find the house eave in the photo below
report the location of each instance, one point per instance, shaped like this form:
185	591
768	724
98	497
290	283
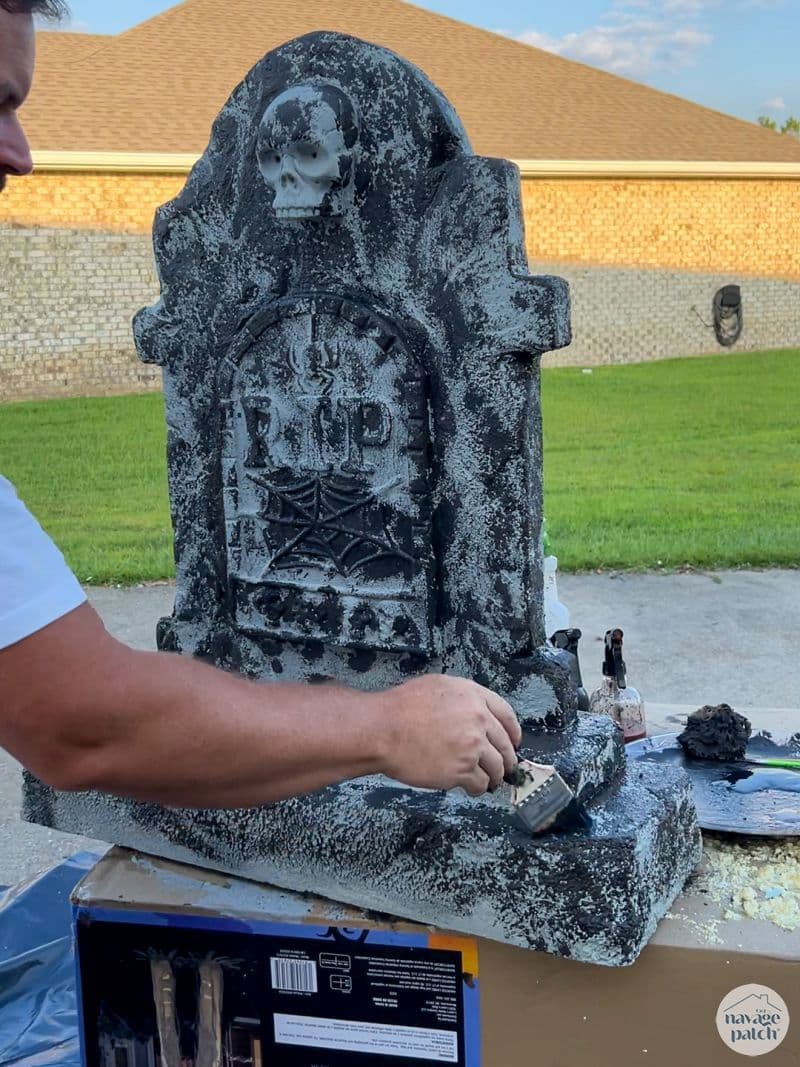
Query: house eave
63	162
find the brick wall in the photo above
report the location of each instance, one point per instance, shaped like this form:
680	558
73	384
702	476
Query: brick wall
65	316
76	263
731	225
65	326
748	227
630	315
122	203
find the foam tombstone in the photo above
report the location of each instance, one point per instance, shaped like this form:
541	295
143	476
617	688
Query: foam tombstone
350	342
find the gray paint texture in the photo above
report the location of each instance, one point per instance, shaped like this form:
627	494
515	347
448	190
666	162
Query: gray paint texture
350	343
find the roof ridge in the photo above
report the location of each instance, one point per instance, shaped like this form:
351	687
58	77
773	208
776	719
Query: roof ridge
507	41
160	16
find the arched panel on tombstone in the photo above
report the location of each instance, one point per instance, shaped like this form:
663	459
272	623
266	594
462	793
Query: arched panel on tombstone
325	466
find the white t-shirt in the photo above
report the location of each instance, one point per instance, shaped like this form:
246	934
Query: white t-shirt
36	585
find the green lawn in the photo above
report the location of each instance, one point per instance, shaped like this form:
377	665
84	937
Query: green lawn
686	461
94	474
692	461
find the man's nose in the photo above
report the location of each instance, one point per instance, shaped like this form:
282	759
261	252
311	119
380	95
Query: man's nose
15	152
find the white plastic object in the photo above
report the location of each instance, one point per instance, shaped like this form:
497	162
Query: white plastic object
556	616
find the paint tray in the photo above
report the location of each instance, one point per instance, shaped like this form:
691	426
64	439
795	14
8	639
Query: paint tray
732	797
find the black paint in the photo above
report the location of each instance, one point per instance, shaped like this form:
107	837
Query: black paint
723	802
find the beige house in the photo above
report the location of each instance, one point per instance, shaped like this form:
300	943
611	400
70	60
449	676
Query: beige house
645	202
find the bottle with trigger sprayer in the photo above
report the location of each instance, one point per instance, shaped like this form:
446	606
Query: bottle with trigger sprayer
615	697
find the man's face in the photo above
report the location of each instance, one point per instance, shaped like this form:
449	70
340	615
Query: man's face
16	72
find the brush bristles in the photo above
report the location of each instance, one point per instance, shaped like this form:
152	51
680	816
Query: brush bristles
573	817
539	809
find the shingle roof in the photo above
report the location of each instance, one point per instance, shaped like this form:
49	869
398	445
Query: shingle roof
58	50
158	86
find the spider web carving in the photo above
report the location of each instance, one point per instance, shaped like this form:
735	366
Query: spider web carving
334	519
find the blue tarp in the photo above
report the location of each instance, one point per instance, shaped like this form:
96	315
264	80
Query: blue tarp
38	1009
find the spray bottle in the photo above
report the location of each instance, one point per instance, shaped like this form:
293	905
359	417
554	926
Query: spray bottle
614	697
566	641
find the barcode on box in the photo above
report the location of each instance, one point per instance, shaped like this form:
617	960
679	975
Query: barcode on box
293	976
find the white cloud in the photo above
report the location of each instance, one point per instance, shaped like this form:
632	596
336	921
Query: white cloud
669	7
632	42
777	103
638	37
697	7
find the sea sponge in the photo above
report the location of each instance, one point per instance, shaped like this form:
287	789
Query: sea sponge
715	733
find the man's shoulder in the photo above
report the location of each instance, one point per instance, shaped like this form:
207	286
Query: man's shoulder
36	585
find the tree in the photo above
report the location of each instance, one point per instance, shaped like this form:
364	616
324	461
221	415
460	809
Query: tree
791	126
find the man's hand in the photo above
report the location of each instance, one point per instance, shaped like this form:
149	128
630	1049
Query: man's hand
443	732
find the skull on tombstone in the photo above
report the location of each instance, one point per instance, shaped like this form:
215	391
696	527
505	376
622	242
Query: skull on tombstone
306	142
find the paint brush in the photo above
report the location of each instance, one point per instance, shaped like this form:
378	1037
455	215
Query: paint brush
543	801
786	764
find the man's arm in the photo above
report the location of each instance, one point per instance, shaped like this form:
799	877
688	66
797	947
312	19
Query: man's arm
83	711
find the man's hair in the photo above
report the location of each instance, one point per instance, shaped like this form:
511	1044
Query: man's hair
48	9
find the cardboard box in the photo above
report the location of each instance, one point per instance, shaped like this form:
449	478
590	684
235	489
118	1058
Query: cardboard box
180	966
302	982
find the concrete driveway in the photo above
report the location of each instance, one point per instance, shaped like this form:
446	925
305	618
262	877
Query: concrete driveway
690	639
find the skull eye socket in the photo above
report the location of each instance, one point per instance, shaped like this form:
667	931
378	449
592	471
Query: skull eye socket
269	160
314	160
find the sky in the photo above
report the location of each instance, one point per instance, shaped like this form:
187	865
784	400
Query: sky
736	56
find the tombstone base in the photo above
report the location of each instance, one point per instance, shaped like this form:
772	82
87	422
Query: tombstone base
589	754
440	858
